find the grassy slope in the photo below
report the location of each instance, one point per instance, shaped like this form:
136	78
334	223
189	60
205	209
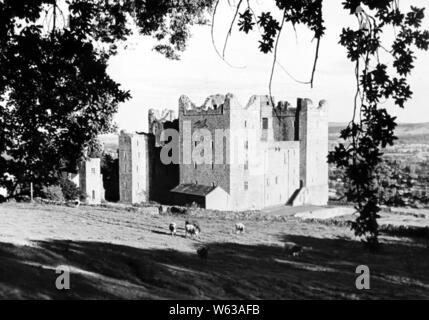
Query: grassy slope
120	254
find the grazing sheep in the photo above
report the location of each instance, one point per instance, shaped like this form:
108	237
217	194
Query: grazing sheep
173	229
192	228
203	252
293	249
76	203
239	228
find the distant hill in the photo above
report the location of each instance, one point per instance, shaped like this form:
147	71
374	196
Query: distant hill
110	142
408	133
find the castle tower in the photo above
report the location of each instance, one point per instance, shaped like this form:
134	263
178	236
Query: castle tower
259	164
313	136
133	168
91	180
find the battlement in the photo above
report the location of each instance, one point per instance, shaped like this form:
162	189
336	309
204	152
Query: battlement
160	121
166	115
308	105
214	105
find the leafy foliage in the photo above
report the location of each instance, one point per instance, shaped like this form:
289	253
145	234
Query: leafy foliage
53	193
55	94
372	128
70	190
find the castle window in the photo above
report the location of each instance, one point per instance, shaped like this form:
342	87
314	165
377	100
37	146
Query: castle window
245	124
93	194
246	185
195	165
265	123
214	184
93	170
246	165
277	180
246	145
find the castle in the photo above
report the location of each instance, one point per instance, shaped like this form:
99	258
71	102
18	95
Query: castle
229	157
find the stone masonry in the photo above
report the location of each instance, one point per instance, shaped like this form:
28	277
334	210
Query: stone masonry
261	155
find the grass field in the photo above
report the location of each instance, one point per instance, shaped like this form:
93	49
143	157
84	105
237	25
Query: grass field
129	255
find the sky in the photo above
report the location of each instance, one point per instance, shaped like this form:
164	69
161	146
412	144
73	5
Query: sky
156	82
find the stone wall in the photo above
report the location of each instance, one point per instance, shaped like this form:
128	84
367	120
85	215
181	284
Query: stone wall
142	175
313	135
133	167
210	117
91	180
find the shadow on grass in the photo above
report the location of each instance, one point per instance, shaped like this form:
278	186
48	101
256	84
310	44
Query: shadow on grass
325	270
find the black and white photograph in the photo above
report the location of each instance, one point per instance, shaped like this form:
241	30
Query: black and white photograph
214	151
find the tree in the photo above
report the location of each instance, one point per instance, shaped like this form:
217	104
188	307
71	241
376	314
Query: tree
110	172
372	127
55	94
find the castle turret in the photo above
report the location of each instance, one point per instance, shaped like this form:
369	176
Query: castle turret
313	136
134	170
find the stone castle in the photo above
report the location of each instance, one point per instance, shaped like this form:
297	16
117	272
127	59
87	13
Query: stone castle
260	155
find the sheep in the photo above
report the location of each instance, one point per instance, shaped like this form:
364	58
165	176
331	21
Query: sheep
173	228
76	203
203	252
192	228
239	228
293	249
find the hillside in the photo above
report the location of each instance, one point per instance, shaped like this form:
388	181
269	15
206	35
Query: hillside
408	133
125	254
110	142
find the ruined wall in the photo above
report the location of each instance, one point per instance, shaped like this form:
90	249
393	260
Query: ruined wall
162	176
142	175
213	115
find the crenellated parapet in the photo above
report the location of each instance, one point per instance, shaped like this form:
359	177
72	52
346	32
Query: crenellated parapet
159	121
214	105
308	105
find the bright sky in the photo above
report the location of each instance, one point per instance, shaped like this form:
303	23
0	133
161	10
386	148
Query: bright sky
156	82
